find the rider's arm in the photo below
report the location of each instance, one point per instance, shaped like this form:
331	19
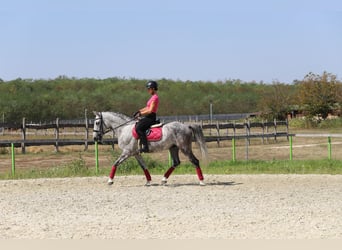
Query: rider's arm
147	110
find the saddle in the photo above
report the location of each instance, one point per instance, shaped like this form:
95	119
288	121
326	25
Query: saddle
154	133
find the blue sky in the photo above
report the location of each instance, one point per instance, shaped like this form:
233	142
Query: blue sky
279	40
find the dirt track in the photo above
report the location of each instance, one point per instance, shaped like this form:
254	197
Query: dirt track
229	207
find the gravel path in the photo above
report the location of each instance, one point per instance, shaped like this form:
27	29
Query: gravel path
229	207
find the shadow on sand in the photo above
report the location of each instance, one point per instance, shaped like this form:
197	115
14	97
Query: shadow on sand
210	184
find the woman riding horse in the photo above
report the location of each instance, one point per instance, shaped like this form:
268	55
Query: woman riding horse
150	113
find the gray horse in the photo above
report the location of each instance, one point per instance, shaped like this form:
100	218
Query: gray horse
175	136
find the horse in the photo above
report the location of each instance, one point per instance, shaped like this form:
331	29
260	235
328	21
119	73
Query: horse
175	136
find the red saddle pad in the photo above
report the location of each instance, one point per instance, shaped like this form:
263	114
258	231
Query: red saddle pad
152	134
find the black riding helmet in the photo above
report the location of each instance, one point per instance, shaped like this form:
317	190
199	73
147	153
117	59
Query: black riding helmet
152	85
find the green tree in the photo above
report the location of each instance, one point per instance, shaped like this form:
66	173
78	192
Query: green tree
318	94
277	100
67	98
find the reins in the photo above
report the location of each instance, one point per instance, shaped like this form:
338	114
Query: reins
124	123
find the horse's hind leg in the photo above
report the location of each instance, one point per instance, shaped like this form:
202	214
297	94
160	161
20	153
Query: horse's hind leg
174	150
144	168
195	162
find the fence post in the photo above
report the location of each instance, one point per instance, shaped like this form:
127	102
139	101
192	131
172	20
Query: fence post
248	131
329	147
86	130
287	128
23	136
13	159
96	158
233	150
57	134
170	160
218	133
275	129
263	131
234	131
3	124
113	137
267	131
247	137
291	152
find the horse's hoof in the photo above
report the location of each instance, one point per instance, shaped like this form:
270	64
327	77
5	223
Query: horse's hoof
148	184
110	182
201	183
164	181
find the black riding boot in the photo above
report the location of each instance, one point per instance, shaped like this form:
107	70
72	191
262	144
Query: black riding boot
141	128
144	144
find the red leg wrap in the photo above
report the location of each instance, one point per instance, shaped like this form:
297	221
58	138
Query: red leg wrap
199	173
169	172
147	174
112	172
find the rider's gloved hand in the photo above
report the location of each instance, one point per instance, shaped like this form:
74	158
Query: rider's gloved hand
137	114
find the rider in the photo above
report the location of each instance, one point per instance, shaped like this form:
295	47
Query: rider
149	112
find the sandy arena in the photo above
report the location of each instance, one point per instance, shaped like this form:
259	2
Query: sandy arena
228	207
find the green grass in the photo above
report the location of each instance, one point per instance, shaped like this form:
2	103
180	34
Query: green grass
130	167
276	167
73	169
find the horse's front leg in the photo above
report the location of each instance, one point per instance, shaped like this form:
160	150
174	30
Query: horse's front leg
142	164
116	164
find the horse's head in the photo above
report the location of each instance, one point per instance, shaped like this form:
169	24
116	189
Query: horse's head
99	129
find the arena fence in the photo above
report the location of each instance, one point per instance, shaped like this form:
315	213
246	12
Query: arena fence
56	133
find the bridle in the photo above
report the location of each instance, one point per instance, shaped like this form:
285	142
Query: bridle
102	125
102	131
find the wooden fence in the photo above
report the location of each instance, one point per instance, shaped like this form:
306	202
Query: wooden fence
247	130
213	132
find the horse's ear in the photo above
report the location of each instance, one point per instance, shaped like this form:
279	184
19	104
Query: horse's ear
95	113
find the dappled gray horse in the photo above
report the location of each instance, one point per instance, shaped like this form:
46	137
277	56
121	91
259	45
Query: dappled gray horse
175	136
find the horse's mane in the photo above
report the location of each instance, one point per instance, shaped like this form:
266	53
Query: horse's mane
120	115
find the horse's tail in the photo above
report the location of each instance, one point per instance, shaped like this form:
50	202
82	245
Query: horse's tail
199	138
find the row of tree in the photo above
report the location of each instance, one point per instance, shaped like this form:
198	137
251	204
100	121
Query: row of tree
67	98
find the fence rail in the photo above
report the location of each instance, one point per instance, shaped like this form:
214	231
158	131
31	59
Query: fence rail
49	142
